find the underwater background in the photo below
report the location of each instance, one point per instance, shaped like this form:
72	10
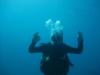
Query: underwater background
20	19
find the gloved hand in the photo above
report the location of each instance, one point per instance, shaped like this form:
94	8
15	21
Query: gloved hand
80	37
36	37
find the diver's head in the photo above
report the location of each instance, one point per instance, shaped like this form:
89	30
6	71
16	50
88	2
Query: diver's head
56	31
57	38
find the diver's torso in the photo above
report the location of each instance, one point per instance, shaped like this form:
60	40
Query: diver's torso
55	52
55	60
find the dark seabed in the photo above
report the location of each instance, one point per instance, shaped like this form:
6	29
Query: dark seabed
20	19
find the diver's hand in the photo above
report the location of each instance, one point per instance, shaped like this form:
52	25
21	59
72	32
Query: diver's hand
36	37
80	37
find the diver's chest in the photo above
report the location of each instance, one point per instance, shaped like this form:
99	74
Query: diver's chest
55	51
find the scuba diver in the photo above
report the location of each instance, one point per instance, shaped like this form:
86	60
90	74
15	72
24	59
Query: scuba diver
55	60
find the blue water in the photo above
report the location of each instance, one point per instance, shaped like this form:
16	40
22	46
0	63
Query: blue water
20	19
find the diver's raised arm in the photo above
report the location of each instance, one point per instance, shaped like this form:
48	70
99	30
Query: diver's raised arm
33	48
79	49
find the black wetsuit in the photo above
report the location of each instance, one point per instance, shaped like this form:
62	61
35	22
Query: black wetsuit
55	60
